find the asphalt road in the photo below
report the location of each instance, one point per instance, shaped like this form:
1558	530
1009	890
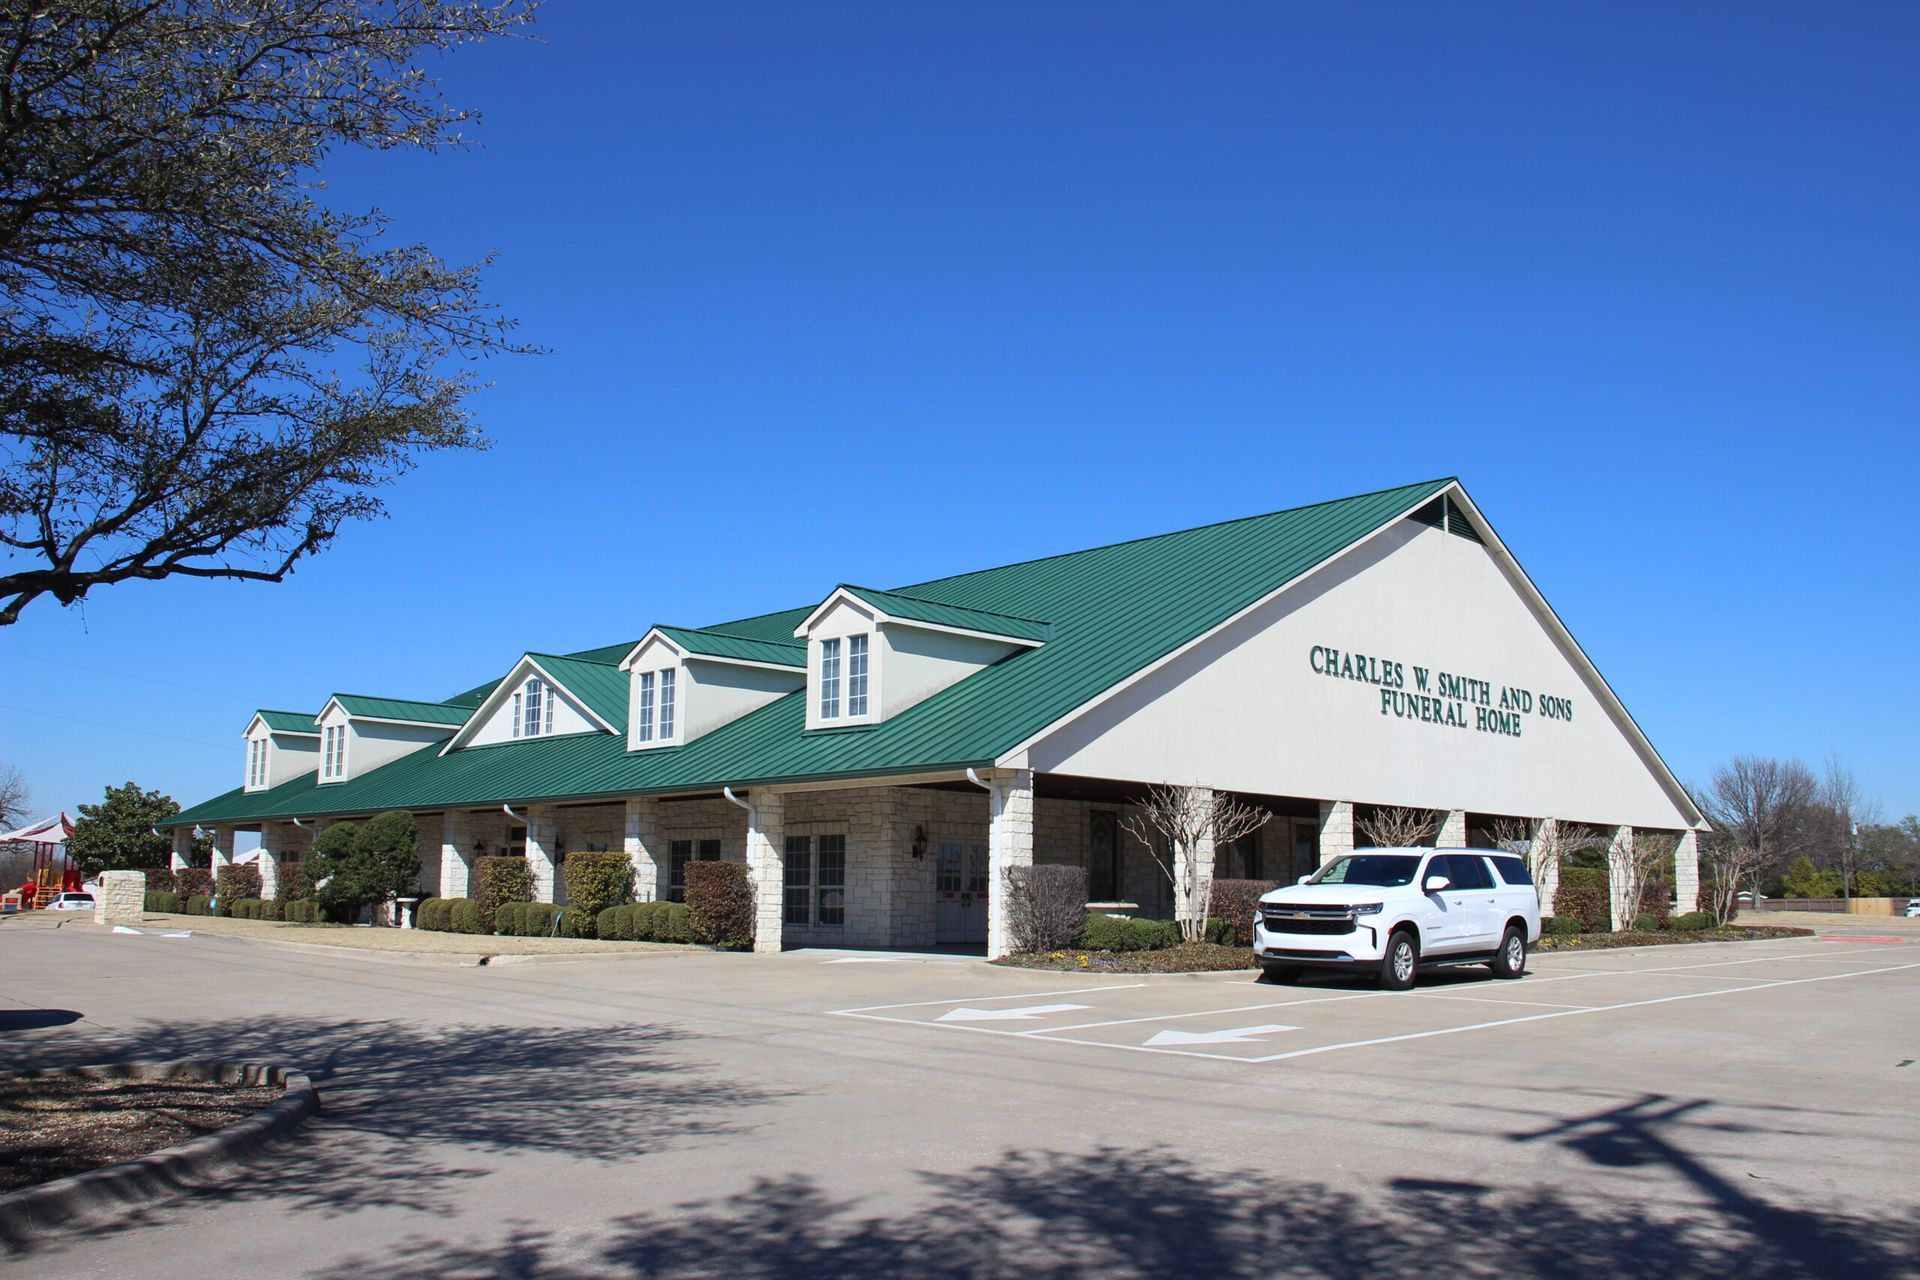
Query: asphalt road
1704	1110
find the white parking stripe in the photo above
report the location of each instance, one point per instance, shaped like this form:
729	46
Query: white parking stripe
1202	1013
1024	995
1539	1004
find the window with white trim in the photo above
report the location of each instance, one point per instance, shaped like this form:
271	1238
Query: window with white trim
256	762
333	755
856	675
815	874
643	721
830	679
668	678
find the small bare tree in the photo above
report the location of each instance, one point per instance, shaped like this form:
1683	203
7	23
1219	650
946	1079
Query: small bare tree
1845	814
1394	827
1759	804
1645	861
1513	835
15	795
1175	824
1726	864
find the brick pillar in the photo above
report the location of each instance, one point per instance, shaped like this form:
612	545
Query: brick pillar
1193	903
1336	829
767	866
122	897
222	850
182	848
1619	851
1009	845
1686	872
541	855
272	848
643	847
456	854
1546	870
1453	830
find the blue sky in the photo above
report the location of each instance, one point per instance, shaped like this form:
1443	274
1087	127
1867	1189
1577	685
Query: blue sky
876	293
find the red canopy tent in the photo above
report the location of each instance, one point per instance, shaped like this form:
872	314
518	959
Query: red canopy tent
53	871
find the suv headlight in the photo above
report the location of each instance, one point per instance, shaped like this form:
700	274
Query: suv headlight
1367	909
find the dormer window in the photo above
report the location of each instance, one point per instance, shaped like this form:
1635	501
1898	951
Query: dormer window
333	753
256	763
532	709
856	675
655	711
830	679
668	679
643	717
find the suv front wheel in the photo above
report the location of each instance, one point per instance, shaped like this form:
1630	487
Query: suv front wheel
1401	964
1511	961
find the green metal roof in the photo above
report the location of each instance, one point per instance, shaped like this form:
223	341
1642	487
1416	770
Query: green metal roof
718	644
402	709
1113	610
289	721
602	686
915	609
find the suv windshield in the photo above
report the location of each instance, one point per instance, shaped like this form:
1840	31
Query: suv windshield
1387	870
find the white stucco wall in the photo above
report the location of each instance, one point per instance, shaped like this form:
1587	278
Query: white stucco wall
921	663
372	743
497	726
289	756
1245	710
707	694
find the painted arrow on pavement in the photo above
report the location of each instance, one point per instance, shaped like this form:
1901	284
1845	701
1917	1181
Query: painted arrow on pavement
1232	1035
1005	1015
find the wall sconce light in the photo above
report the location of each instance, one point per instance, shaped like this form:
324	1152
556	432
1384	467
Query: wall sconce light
479	848
919	849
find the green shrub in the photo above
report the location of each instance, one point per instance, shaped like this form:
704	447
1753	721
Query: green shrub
720	902
464	917
188	881
160	880
609	923
292	882
303	911
1559	926
575	922
1583	895
498	880
271	910
366	865
1693	920
596	881
163	900
1223	933
434	915
672	922
506	918
234	885
536	919
1112	933
199	904
1646	922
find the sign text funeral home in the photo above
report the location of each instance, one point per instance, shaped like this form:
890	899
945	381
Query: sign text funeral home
1441	697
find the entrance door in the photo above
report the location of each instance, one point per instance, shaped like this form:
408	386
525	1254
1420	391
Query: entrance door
960	891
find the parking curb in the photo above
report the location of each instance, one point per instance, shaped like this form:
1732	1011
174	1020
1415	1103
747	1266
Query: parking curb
67	1201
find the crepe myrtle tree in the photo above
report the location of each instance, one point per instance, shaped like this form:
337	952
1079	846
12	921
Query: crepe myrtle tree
204	371
1181	826
1396	827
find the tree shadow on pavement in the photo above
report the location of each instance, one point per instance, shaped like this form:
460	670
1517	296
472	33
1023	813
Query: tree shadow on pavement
409	1113
1118	1213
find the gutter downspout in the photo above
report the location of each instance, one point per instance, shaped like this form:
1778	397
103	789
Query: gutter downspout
734	799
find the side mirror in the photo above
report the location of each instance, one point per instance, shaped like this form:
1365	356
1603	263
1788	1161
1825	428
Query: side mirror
1435	884
1303	879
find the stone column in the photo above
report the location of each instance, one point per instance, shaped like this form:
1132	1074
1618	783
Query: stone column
643	847
541	855
767	866
1336	829
1453	830
1686	872
122	897
1009	845
1188	906
222	851
456	854
272	847
182	848
1619	852
1546	871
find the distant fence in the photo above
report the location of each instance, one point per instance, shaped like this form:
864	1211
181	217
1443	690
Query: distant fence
1839	906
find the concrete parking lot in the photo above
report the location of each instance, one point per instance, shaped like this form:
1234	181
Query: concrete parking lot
1710	1109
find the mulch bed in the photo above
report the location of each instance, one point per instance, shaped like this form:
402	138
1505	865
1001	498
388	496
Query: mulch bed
1207	957
52	1127
1661	938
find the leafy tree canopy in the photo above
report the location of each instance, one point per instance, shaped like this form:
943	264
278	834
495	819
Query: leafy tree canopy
203	371
365	864
117	834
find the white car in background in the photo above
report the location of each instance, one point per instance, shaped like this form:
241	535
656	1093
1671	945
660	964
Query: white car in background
1394	911
1913	908
70	902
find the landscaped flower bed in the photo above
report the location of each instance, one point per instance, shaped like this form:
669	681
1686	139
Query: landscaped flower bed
1663	937
1187	957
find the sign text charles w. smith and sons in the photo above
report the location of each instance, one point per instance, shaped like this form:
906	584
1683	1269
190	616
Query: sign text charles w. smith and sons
1441	697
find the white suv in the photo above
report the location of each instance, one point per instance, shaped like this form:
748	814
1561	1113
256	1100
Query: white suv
1389	911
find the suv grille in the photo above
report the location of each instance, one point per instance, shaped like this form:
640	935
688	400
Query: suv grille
1319	925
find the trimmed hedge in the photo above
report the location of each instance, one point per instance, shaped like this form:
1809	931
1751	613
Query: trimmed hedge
235	885
1691	921
434	915
188	881
1646	922
199	904
163	900
498	880
159	879
598	880
576	922
303	911
1583	896
291	882
1235	901
1559	926
720	901
464	917
1113	933
646	922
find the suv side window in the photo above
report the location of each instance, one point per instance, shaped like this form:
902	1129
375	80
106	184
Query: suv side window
1513	871
1467	871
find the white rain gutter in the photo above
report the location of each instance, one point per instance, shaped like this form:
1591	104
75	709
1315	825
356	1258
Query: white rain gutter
728	793
520	818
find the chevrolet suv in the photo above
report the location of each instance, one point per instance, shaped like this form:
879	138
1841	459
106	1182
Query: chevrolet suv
1391	911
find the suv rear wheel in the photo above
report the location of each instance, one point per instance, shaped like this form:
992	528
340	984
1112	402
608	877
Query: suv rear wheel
1511	961
1401	965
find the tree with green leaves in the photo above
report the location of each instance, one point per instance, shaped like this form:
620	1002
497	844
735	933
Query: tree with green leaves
204	371
117	834
365	864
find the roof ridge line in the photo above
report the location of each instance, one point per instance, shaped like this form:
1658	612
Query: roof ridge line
388	697
564	657
726	635
1172	533
947	604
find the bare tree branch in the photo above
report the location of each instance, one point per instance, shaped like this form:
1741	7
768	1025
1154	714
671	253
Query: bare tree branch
1393	827
1181	828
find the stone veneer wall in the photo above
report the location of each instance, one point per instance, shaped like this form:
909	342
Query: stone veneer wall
122	897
